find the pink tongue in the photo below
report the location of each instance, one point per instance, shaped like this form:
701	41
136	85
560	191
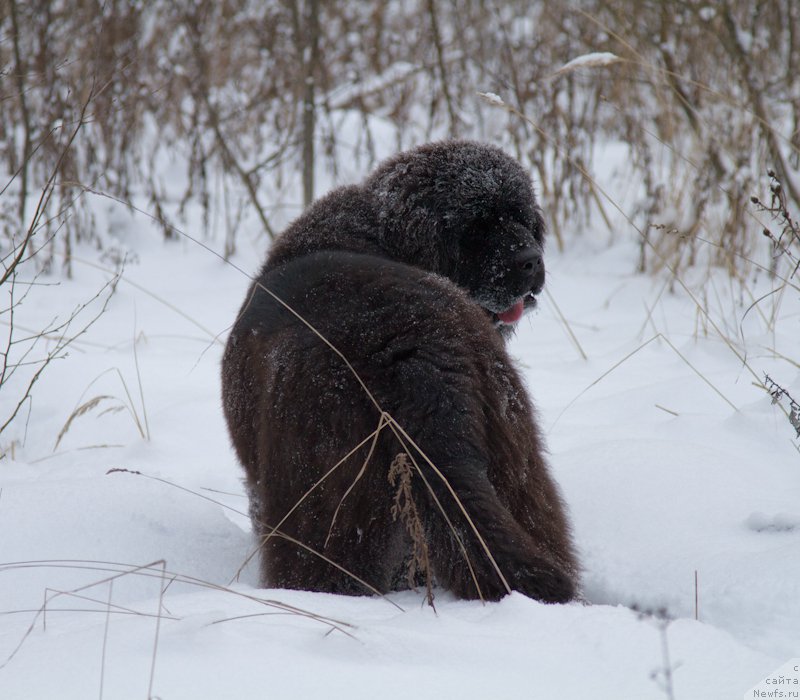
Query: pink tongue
513	314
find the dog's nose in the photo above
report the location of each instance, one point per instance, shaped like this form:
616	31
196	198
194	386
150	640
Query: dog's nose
529	259
530	267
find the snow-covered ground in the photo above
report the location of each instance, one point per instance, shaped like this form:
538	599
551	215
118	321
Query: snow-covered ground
675	467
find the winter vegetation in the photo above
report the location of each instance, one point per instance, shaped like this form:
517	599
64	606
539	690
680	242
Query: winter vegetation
151	151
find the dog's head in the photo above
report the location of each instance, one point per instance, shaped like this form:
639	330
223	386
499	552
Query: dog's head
467	211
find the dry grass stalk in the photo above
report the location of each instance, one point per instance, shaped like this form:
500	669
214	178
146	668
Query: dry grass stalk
401	472
79	411
658	336
778	393
787	242
154	570
234	90
83	408
384	421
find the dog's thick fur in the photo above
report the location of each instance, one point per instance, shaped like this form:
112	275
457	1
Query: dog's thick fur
409	277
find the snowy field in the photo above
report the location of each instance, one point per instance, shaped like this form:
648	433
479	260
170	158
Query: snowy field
123	534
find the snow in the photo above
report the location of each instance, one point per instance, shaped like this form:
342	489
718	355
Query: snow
491	98
663	477
707	13
589	60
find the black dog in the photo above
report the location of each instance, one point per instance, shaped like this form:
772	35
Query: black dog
386	307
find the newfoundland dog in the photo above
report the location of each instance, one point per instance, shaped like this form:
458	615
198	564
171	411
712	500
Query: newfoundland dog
387	439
